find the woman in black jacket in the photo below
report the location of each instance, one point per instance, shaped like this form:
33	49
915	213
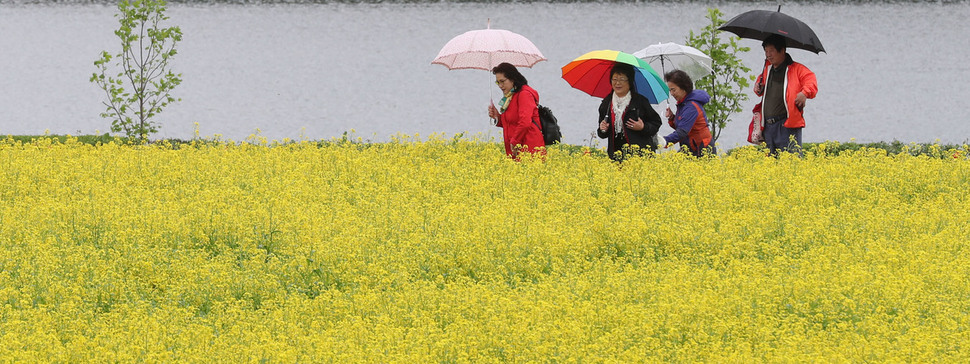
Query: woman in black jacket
627	120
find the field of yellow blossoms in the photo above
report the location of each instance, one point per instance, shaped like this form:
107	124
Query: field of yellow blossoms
443	250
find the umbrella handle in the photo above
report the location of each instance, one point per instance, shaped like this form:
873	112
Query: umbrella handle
494	121
491	102
664	70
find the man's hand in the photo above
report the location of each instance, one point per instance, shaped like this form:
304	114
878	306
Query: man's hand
800	100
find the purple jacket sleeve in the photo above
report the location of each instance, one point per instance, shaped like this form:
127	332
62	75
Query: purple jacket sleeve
686	116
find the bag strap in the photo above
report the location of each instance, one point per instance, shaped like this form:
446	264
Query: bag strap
539	113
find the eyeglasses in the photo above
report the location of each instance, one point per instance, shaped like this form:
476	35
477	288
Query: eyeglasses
500	82
620	79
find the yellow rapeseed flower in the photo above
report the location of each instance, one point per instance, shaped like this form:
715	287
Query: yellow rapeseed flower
444	250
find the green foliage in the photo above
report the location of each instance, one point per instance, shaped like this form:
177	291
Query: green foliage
729	81
895	147
933	150
142	87
104	139
93	139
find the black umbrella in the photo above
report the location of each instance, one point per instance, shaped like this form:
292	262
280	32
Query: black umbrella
759	24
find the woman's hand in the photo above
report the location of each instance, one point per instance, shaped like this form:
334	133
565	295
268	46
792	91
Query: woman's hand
492	112
635	125
604	125
670	114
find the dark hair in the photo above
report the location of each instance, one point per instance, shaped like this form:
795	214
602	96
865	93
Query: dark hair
626	70
511	73
681	79
776	41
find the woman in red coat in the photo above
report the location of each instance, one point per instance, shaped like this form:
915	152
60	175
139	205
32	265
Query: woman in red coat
518	112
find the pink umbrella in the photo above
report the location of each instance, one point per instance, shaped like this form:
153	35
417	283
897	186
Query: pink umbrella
486	48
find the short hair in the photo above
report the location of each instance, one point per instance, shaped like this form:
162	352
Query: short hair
681	79
510	72
776	41
626	70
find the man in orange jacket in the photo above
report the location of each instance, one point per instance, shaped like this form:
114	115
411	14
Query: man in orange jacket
784	86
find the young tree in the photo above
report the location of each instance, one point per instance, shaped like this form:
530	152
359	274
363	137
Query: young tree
729	81
143	86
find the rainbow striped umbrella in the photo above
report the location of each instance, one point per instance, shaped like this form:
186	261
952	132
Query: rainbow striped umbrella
590	73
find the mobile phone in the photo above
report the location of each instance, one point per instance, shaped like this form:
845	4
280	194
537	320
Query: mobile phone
632	114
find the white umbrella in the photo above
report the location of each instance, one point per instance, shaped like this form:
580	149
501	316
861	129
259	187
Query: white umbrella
686	58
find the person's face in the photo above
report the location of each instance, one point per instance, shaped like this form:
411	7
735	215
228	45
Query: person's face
621	84
503	82
678	93
774	56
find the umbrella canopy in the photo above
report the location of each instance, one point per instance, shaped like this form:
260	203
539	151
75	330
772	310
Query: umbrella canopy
486	48
590	73
676	56
759	24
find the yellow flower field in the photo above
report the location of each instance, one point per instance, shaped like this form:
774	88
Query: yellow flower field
443	250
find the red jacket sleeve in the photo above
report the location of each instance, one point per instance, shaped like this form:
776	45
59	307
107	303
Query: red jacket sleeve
808	82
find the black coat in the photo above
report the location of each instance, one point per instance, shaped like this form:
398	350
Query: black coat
639	107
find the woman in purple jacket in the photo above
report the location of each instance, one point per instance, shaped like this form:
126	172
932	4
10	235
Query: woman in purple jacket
690	122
